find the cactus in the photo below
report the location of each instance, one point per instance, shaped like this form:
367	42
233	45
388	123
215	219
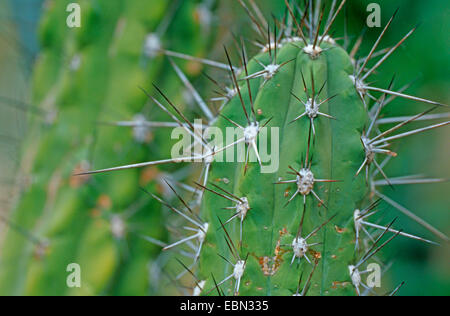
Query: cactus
303	229
258	233
85	79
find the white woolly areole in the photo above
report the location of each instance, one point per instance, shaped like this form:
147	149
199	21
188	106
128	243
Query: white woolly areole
118	228
357	219
370	155
152	45
359	84
239	268
202	232
292	39
355	276
199	288
242	207
312	110
305	181
231	92
271	70
251	132
210	158
312	51
140	131
299	246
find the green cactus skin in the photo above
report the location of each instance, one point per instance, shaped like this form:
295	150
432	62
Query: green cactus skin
72	216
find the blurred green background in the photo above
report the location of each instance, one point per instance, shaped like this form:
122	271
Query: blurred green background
425	56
